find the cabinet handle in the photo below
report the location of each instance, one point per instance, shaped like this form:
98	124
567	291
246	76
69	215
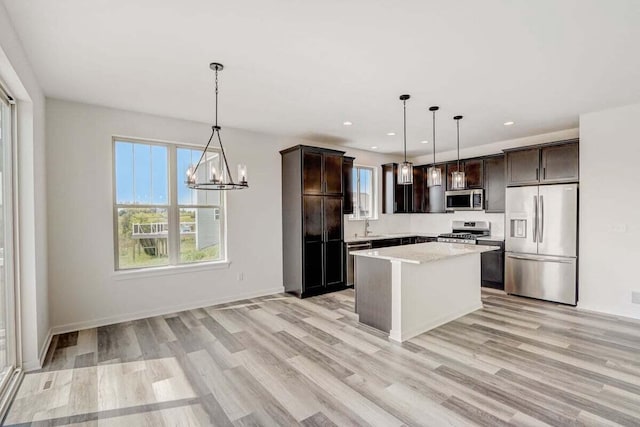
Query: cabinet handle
537	174
544	173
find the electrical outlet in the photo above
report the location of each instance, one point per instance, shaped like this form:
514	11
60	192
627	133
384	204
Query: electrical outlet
240	277
619	228
635	297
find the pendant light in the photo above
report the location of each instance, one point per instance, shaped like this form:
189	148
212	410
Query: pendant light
216	180
405	170
434	174
458	179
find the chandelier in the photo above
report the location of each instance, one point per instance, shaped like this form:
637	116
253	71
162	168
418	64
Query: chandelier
221	180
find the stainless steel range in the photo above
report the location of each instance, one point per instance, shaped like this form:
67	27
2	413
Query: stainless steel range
466	232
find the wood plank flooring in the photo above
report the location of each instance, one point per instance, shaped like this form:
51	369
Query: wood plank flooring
283	361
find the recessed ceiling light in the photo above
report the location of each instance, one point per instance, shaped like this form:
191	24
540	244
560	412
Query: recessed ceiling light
508	123
374	148
424	142
347	123
391	134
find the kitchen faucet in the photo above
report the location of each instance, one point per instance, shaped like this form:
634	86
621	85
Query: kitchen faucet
366	227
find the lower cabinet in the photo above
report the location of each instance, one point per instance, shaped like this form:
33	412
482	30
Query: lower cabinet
383	243
423	239
492	265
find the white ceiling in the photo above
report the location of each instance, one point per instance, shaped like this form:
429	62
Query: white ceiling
301	68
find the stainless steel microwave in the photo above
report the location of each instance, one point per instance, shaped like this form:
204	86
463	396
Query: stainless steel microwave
464	200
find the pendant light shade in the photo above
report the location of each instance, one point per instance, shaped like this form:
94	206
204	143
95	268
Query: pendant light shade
434	174
219	178
405	170
458	178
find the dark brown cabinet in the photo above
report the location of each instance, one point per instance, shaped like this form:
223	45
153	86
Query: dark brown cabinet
419	189
544	164
560	163
473	171
396	198
492	265
322	171
347	184
494	184
312	220
435	195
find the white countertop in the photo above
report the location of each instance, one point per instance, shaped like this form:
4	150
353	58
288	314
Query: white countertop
352	239
423	252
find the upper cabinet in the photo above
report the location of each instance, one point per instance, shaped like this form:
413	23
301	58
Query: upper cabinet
494	184
545	164
473	171
347	184
396	198
560	163
322	171
399	198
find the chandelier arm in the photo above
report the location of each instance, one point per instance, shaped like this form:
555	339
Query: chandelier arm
213	130
224	157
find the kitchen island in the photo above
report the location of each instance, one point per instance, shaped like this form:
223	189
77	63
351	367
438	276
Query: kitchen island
408	290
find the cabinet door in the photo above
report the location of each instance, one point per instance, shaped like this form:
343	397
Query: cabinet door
313	266
473	170
333	173
348	185
523	167
436	194
419	186
333	218
388	189
450	168
560	163
334	259
312	172
313	227
494	184
312	243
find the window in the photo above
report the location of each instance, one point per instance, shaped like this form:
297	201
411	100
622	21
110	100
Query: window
364	193
159	221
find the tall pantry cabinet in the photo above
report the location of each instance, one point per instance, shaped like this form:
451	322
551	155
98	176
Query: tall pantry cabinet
312	220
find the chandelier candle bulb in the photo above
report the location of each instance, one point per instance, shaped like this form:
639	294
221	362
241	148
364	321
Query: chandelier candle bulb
242	173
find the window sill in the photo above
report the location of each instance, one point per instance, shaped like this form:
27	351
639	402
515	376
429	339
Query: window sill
362	219
169	270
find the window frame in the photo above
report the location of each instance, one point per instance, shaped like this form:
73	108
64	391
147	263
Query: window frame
355	216
173	210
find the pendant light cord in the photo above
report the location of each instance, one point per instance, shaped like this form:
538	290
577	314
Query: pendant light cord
434	138
458	127
404	109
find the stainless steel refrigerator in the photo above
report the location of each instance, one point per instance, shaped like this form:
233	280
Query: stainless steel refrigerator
541	242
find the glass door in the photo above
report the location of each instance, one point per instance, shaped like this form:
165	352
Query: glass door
8	355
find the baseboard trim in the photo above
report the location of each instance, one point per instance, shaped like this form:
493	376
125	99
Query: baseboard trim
606	312
95	323
407	335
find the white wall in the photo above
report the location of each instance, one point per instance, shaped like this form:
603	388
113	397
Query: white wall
84	290
609	206
17	75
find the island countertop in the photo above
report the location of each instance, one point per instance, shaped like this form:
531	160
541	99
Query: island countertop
424	252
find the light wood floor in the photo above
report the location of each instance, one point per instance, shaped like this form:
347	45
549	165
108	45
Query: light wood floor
283	361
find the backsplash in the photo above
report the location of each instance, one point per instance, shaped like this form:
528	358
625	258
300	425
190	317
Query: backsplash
441	223
422	223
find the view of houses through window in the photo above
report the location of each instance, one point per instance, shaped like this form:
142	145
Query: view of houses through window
159	220
364	194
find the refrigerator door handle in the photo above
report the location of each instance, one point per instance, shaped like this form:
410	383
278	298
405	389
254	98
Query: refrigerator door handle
533	258
541	217
535	219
